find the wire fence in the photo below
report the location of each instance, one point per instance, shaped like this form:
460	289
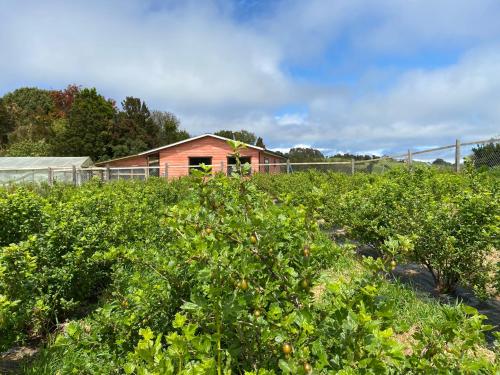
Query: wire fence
484	154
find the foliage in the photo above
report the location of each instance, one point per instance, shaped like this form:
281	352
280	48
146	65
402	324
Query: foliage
348	156
80	121
450	221
134	130
32	111
260	143
169	127
29	148
300	155
486	155
444	221
441	162
63	99
69	229
214	275
22	214
89	121
6	124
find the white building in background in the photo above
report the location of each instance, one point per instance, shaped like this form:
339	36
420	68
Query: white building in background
42	169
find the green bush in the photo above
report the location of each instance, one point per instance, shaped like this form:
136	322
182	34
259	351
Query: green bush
213	275
21	215
445	221
60	271
451	221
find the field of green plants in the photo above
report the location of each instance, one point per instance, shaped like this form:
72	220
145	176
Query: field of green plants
231	275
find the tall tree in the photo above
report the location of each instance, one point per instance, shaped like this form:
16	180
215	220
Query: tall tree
260	143
169	127
242	135
32	110
63	99
134	129
89	123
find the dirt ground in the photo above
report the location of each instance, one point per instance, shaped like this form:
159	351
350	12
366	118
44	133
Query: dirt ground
10	360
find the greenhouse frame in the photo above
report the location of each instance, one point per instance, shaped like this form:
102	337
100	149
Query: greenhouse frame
44	169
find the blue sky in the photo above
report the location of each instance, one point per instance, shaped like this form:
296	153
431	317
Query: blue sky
338	75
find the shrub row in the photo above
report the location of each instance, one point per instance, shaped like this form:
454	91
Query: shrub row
448	222
207	276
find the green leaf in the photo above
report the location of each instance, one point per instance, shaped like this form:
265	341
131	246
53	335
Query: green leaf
179	320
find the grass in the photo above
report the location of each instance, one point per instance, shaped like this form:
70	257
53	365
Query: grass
411	308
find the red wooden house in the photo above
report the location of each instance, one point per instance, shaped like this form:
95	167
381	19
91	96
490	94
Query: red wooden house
178	159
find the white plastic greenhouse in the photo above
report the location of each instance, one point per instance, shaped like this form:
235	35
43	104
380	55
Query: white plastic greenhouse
43	169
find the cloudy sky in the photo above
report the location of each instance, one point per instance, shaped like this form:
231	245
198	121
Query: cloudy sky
338	75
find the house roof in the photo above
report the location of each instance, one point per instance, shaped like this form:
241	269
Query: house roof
193	139
144	153
35	162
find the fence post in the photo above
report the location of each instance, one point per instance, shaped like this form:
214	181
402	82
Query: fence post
352	167
409	158
108	174
457	155
73	174
287	165
166	170
146	172
50	176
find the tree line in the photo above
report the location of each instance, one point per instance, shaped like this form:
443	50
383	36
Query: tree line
81	122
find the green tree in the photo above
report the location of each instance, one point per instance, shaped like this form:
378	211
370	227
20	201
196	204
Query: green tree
89	124
32	110
486	155
169	127
260	143
241	135
134	130
300	154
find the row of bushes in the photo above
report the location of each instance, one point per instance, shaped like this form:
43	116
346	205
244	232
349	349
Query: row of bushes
50	263
448	222
206	276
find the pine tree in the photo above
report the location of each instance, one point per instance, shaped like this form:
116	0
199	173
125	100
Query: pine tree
260	143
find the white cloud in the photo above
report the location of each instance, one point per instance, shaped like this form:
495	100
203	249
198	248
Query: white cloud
215	72
423	107
190	55
288	119
434	105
